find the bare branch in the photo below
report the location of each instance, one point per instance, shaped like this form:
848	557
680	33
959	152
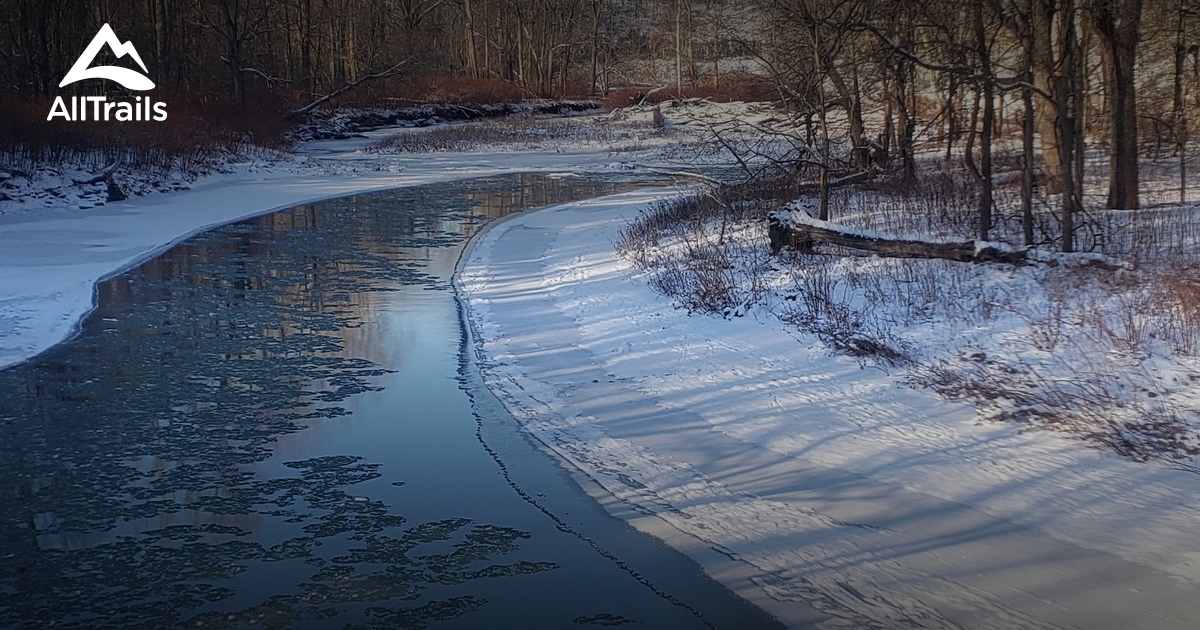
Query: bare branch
392	71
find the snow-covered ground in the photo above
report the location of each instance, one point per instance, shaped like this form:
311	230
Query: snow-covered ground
831	492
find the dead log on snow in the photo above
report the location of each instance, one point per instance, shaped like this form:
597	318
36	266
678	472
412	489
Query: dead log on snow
798	231
111	187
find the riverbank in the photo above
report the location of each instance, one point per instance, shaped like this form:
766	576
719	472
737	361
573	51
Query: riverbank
842	498
58	238
52	258
277	414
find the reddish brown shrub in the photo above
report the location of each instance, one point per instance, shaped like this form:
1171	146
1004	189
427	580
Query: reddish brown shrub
194	130
403	91
465	90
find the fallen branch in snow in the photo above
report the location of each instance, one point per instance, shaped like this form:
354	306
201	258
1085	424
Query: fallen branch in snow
113	189
652	92
102	177
394	70
713	182
797	230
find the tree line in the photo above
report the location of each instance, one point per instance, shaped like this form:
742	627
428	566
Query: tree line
867	76
232	48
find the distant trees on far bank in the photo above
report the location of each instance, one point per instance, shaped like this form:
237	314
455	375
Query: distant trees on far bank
866	76
306	48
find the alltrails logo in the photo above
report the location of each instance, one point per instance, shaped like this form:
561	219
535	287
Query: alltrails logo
142	108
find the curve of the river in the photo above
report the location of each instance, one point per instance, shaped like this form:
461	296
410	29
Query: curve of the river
276	424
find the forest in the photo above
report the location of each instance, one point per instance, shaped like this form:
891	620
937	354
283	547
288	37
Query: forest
866	78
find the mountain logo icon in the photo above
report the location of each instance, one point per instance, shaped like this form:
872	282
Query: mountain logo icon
126	77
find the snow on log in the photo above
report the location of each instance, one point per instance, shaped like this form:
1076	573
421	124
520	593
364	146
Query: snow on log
798	231
113	188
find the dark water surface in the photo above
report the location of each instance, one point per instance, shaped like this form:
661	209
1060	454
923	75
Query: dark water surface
273	425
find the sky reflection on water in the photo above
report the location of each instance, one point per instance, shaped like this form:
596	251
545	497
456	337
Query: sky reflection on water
269	426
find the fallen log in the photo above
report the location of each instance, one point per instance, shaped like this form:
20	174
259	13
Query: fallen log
382	74
104	175
111	187
798	231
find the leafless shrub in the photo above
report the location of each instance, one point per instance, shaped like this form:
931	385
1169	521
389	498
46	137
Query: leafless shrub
451	89
1068	348
193	139
687	246
1096	400
1046	322
1164	234
1131	313
939	204
1181	297
825	304
732	87
1084	363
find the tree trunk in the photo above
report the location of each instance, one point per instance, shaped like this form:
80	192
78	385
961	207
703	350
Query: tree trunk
989	119
1117	23
951	117
1041	45
889	125
1178	118
823	118
679	48
597	13
1027	125
716	6
906	126
1069	101
231	22
472	61
852	102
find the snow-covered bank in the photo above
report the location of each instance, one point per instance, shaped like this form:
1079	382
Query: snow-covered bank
51	258
841	496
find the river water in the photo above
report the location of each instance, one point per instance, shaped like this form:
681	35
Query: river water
275	424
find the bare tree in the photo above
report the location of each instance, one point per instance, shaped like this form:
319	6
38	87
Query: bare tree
1117	22
985	95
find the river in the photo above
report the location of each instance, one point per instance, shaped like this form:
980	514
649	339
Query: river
276	424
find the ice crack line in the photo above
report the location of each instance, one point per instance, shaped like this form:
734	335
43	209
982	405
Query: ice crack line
803	556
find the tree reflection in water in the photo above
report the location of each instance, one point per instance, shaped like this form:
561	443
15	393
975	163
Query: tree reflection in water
130	452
